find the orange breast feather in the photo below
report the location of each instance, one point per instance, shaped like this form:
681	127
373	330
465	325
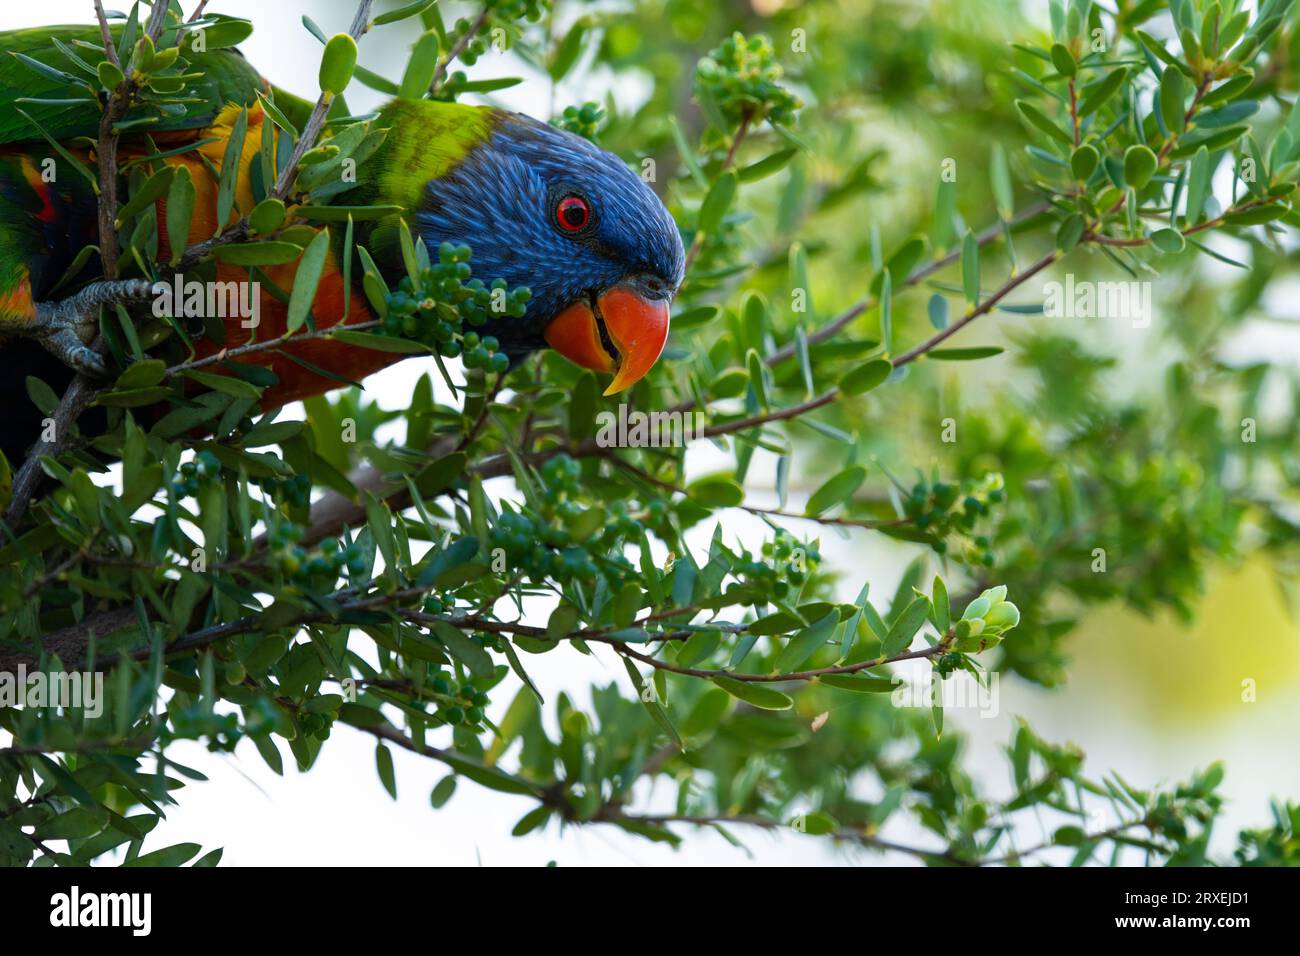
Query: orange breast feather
295	381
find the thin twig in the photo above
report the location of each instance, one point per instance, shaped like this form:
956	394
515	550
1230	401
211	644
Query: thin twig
741	131
457	49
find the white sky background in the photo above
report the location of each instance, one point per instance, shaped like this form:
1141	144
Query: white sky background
339	813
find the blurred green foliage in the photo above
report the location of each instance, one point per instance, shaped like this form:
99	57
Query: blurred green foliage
856	182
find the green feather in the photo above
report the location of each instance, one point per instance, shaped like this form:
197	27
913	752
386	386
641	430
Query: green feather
425	140
228	78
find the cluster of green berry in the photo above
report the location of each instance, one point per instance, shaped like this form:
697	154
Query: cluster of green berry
784	562
295	491
448	297
500	14
330	557
539	545
948	664
194	473
436	603
943	508
742	76
539	549
585	120
458	703
482	353
315	725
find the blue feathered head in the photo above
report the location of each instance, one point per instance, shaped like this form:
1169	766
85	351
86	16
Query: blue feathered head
543	208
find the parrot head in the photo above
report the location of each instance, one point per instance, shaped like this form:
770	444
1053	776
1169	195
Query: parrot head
543	208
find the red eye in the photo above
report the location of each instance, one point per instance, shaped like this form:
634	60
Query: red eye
572	214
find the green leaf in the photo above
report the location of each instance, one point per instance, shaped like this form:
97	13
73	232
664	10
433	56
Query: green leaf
58	77
1198	185
420	67
176	855
905	627
818	823
806	643
180	211
1227	115
716	491
707	713
277	115
142	374
154	188
228	384
1256	215
110	75
267	216
442	791
230	171
729	383
566	53
970	269
937	311
459	552
77	823
380	343
866	376
887	311
716	202
531	821
900	265
942	616
1139	165
1063	60
1229	89
384	764
489	777
757	377
464	649
75	163
1000	177
270	253
441	473
1173	91
836	490
1096	94
337	64
651	702
224	32
1168	240
965	354
404	12
1070	232
306	280
1083	161
764	698
767	165
1035	117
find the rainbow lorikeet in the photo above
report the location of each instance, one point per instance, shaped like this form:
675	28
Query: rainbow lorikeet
540	207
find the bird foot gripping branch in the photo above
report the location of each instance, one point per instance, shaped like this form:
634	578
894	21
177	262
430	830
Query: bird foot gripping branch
67	327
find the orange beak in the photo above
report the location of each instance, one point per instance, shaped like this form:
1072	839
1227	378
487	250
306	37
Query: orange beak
637	328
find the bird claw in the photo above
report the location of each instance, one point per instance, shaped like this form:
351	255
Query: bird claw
66	327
